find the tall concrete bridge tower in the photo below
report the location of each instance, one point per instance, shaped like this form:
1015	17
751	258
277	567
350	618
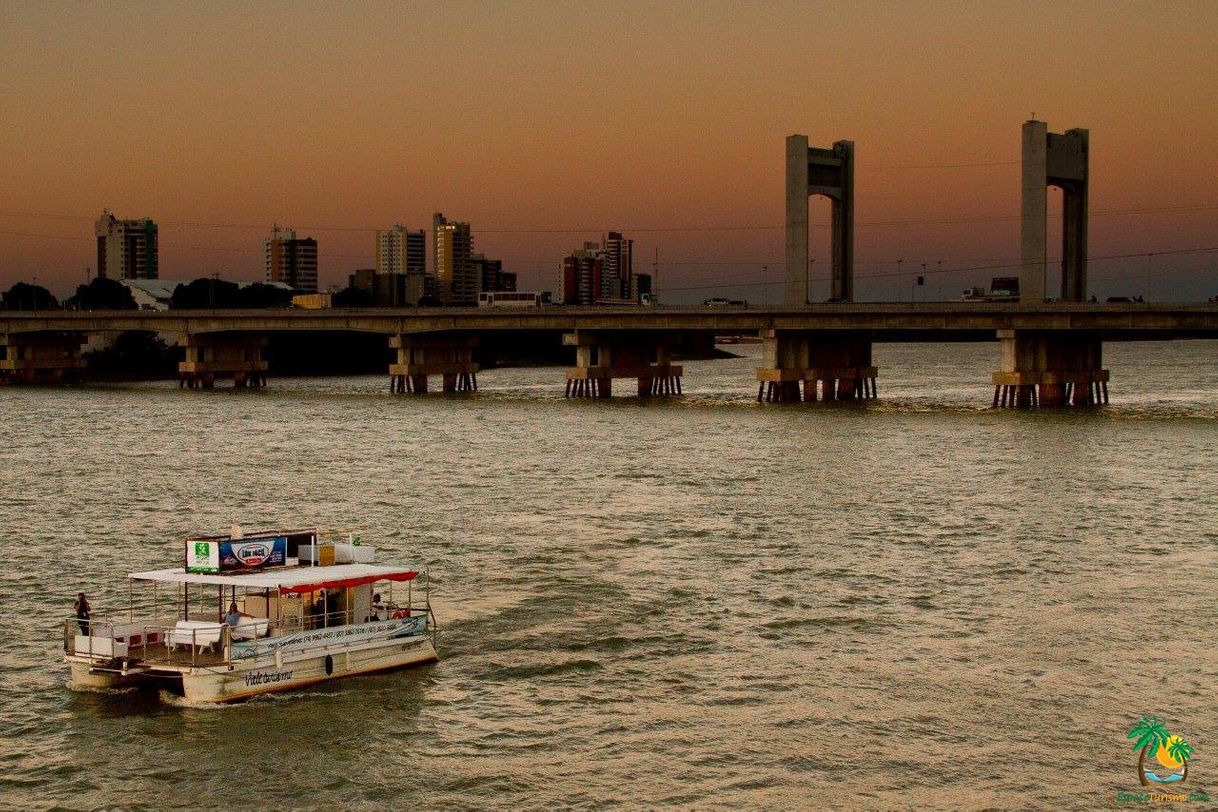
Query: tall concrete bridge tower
1061	160
828	172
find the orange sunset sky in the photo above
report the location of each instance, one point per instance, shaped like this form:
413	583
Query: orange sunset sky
544	124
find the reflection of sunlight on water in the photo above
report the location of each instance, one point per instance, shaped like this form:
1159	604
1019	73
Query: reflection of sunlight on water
452	610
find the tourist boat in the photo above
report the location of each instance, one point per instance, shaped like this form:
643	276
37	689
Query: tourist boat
305	614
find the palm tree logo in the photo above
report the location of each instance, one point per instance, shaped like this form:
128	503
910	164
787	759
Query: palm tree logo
1172	752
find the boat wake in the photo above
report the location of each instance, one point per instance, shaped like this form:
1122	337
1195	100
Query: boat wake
175	701
93	689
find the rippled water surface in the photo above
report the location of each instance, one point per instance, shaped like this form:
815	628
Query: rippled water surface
700	602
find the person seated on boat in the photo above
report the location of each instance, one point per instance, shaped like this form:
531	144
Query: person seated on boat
83	609
234	617
378	609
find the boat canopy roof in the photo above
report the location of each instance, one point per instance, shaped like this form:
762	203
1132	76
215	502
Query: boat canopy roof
288	579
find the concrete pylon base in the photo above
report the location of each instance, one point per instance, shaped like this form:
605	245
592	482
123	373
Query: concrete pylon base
1051	390
37	358
1049	370
449	356
838	364
215	356
828	385
602	356
653	380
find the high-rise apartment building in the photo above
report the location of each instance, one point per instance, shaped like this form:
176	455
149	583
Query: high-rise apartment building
126	249
581	275
402	252
291	261
456	277
618	266
600	272
490	275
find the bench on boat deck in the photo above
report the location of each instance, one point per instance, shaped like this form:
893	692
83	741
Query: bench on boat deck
251	628
99	646
201	633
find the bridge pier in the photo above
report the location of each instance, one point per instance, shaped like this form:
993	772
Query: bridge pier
601	356
52	357
1050	369
838	364
222	355
423	355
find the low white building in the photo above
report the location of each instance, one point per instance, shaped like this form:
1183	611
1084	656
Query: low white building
152	294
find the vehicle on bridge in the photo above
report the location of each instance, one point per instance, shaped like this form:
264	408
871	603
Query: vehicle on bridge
497	298
1002	289
302	607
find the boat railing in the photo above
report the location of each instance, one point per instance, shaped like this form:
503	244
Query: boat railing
203	642
180	642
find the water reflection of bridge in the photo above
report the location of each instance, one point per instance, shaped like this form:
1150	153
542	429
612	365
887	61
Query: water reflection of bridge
1051	354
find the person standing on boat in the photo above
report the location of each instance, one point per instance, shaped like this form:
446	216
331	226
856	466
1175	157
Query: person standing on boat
82	613
378	608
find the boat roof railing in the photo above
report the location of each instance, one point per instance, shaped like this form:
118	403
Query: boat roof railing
288	579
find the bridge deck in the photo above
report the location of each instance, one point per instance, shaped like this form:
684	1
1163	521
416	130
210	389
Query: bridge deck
953	321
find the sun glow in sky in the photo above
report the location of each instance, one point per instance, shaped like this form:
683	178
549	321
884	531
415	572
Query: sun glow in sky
544	124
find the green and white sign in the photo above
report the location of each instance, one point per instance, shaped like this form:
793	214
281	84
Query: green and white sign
203	556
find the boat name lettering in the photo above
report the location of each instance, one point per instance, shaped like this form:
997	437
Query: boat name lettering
388	629
264	678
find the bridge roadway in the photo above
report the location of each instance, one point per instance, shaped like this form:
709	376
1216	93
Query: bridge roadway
929	321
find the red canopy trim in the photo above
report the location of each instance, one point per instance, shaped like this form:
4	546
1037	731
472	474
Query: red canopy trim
342	583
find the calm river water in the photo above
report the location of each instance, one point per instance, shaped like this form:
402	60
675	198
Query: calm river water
703	602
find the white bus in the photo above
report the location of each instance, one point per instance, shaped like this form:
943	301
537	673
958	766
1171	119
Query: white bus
513	299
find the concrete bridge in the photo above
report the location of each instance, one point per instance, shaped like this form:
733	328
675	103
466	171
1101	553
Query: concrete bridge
1051	352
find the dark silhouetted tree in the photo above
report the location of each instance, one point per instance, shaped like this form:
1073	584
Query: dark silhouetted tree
24	296
205	294
102	294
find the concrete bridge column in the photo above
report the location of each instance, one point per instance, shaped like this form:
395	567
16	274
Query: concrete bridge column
421	355
836	363
601	356
1050	369
1061	160
828	172
41	357
222	355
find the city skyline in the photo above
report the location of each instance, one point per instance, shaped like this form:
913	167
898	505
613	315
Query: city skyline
688	159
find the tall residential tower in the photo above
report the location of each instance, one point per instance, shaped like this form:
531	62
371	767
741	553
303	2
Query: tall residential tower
291	261
400	252
455	272
126	249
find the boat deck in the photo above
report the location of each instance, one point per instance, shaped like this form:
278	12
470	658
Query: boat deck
183	657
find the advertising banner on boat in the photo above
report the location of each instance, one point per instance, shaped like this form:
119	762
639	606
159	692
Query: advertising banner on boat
251	554
339	635
203	556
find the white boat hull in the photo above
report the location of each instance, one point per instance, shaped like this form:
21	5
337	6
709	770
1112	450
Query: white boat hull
247	678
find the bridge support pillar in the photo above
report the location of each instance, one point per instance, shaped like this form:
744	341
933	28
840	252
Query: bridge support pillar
601	356
836	363
421	355
41	357
1050	369
223	355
